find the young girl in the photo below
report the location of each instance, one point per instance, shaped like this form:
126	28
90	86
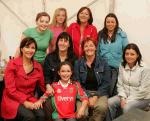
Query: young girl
66	91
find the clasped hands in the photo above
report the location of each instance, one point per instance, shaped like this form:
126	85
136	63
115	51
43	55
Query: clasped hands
36	105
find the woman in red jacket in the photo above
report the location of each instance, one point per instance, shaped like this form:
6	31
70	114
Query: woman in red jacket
81	29
21	76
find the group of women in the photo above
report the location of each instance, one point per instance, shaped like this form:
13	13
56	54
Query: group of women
109	70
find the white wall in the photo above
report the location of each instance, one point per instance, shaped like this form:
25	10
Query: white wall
133	15
134	18
11	27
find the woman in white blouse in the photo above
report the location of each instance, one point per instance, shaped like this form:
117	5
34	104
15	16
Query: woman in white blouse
133	82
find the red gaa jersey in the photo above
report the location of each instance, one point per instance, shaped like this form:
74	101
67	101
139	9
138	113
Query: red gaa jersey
64	99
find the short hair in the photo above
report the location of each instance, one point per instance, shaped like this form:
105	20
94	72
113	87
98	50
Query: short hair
87	39
136	49
90	21
26	42
39	15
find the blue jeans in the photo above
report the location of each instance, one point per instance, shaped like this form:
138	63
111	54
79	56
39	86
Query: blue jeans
114	78
114	105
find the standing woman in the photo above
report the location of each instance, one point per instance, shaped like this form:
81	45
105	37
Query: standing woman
111	42
94	76
58	25
21	76
41	34
81	29
133	82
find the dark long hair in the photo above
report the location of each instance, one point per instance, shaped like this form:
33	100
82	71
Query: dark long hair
66	36
103	34
136	49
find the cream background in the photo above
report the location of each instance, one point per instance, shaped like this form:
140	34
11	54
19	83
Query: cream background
133	15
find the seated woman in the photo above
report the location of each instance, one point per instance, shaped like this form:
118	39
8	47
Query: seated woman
21	76
63	52
94	76
133	82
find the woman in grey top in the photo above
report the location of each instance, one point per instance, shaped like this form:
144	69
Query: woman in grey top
133	82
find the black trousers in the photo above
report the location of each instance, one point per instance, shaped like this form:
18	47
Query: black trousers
25	114
69	119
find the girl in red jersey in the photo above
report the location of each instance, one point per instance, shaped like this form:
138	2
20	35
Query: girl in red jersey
66	91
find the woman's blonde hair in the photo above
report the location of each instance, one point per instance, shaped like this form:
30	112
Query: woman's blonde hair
55	15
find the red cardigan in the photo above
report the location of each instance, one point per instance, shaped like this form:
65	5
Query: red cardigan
19	86
74	31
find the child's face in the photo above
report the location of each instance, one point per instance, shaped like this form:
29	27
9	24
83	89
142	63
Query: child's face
65	73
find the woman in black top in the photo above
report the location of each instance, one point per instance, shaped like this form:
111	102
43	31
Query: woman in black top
63	52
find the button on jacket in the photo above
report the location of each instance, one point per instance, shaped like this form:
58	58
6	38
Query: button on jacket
19	86
102	73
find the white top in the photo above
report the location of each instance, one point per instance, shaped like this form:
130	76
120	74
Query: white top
134	84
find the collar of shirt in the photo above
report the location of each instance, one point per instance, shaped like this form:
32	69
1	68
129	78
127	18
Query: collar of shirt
19	61
64	85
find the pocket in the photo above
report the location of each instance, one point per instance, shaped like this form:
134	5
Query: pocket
99	74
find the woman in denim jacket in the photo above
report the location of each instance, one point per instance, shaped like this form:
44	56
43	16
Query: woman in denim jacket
94	76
